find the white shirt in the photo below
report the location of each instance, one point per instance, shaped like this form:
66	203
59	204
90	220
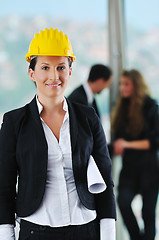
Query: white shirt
61	205
89	93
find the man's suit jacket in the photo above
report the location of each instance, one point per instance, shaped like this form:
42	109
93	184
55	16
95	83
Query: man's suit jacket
24	152
79	96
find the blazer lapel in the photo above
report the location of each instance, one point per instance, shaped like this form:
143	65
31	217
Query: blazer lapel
35	113
73	125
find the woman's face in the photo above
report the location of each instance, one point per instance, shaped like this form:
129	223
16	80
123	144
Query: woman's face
51	75
126	87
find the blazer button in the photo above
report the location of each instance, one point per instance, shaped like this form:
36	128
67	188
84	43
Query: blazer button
32	232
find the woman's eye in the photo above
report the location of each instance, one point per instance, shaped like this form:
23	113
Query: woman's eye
61	68
44	68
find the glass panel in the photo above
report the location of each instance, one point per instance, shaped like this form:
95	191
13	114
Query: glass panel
142	33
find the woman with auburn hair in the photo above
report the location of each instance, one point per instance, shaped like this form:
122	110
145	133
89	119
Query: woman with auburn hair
135	130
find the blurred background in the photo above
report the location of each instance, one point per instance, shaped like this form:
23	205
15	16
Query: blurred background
118	33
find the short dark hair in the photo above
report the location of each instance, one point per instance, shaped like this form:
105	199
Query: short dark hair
33	63
99	71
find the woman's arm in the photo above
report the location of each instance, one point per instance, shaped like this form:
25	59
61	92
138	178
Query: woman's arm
120	145
105	201
139	144
8	171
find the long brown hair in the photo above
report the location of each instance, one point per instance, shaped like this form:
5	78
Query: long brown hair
121	115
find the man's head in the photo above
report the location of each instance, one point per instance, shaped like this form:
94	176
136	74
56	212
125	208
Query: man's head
100	77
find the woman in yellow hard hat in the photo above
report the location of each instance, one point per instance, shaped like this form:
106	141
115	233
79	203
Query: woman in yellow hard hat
52	146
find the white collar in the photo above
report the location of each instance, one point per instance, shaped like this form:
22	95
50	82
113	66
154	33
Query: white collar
40	106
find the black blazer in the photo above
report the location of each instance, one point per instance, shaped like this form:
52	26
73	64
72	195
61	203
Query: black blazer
140	167
79	96
24	153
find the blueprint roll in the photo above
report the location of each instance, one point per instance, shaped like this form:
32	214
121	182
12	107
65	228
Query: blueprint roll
95	180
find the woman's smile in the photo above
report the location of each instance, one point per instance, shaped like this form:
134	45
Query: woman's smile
53	85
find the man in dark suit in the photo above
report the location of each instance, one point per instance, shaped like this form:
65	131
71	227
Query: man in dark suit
99	78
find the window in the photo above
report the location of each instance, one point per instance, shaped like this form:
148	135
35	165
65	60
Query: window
142	33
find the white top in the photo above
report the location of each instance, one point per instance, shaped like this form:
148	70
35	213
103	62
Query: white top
61	205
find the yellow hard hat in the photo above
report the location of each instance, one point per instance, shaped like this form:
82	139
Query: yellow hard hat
50	43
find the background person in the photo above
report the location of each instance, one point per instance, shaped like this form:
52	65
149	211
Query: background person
47	144
135	125
99	78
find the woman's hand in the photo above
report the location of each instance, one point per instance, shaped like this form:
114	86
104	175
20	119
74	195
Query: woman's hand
119	146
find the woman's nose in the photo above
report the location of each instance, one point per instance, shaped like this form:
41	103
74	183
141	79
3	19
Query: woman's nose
54	74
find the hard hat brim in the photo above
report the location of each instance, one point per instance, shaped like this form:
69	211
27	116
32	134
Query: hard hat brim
28	56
